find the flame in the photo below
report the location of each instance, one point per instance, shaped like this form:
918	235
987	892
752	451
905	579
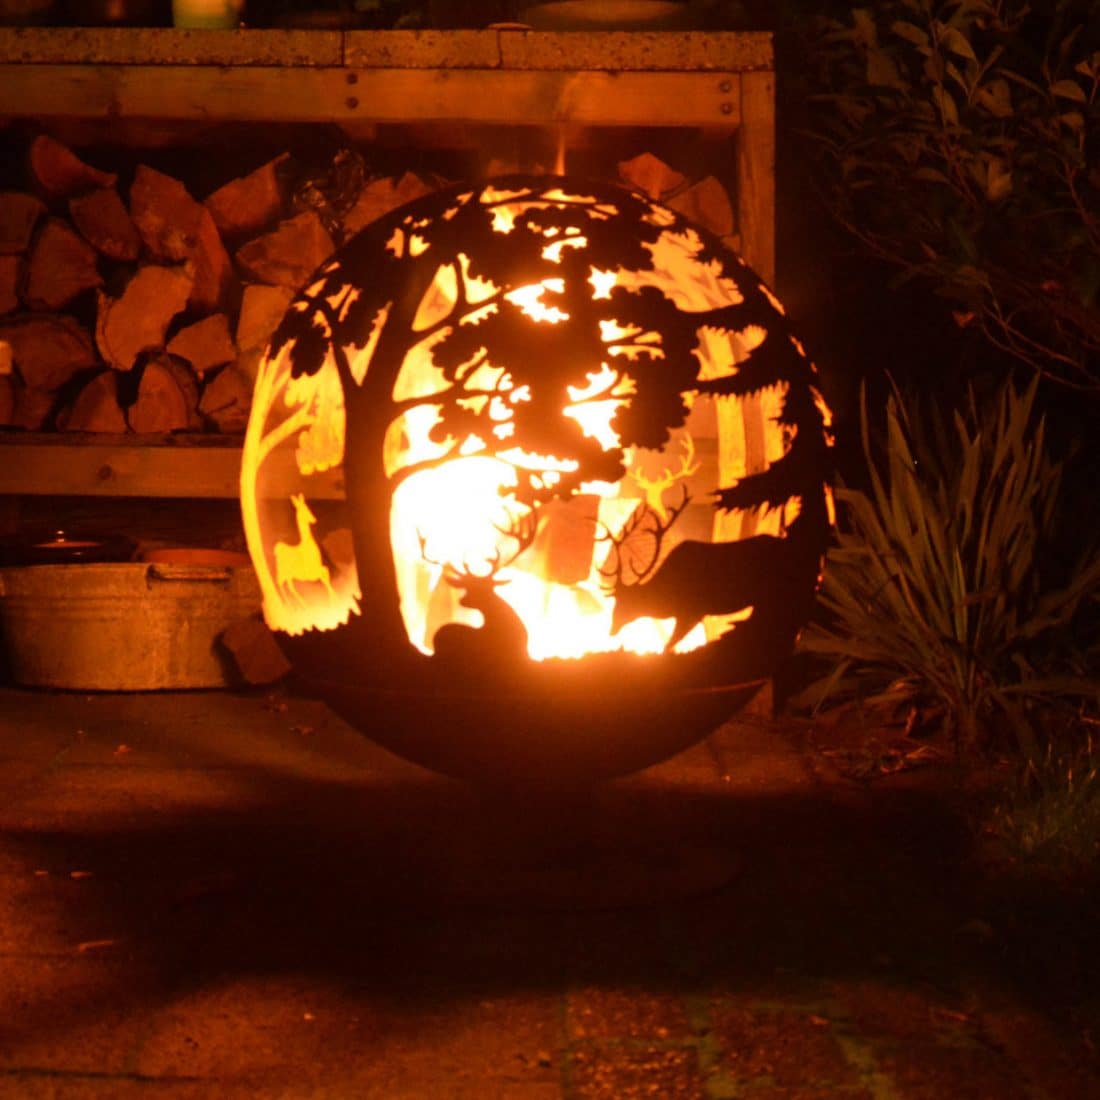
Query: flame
459	515
529	299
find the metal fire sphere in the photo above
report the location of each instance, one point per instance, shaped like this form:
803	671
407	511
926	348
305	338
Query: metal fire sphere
534	482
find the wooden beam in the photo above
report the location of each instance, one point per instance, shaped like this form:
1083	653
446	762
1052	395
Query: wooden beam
755	168
129	466
329	94
504	48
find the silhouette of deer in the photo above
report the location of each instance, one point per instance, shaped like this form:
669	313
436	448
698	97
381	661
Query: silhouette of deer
699	578
654	488
301	561
502	637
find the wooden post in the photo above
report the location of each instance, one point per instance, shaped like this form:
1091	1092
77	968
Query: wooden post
755	169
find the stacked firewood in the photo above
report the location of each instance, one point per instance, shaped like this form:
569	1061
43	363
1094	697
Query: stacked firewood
148	310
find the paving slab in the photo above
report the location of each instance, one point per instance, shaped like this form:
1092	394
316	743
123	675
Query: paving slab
223	895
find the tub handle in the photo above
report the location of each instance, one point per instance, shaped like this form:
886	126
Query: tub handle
175	571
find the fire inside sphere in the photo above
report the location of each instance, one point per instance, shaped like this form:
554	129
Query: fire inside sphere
535	481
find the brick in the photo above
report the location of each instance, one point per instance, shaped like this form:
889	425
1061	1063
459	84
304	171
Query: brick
613	1013
652	1073
925	1071
785	1048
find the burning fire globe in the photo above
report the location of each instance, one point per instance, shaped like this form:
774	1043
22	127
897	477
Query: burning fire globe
534	481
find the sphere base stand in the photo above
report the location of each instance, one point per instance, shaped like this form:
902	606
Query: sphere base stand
560	850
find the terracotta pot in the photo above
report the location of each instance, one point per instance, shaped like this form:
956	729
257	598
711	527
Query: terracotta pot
192	555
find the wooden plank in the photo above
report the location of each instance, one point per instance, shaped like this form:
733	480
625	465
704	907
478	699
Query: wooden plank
373	95
622	51
169	46
128	466
457	49
755	170
96	466
627	51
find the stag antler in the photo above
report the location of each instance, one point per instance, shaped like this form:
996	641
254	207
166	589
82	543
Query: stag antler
523	529
644	522
654	488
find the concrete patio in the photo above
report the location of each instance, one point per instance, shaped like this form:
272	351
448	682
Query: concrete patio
236	895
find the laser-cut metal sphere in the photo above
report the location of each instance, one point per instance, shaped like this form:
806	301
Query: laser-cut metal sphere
534	481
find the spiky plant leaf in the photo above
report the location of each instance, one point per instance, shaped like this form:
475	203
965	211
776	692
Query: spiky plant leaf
932	594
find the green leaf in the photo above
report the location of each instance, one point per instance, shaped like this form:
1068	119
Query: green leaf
998	184
1073	120
1069	89
946	105
863	23
931	175
957	43
996	97
882	72
910	32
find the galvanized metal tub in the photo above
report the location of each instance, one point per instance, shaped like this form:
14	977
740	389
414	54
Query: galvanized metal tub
129	626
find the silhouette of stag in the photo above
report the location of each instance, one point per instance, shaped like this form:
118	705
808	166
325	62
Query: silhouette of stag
301	562
696	578
502	637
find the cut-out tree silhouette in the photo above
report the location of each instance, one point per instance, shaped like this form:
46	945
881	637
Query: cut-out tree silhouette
503	378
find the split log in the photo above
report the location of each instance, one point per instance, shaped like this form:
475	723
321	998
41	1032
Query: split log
165	214
47	349
139	320
96	408
174	226
262	308
105	224
33	407
227	399
205	344
380	197
7	385
11	272
651	175
254	650
167	398
58	172
707	204
62	265
290	254
7	399
245	206
19	213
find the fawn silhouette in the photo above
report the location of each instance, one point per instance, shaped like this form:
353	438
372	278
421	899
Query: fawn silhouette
300	561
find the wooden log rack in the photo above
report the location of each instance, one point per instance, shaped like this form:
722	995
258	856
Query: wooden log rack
720	83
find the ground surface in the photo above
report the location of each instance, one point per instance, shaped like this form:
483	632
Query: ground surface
212	895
